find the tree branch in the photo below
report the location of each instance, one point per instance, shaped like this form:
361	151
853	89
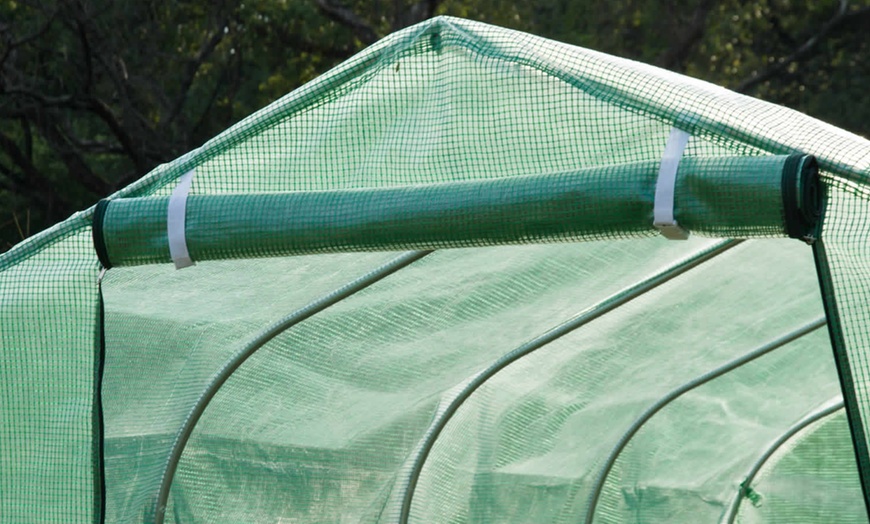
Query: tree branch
414	14
675	56
335	10
104	112
214	95
841	17
28	138
44	101
121	83
11	45
75	164
32	179
92	146
88	58
205	50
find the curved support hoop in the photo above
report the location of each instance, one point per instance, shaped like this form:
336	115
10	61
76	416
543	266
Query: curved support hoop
583	318
603	473
259	341
785	437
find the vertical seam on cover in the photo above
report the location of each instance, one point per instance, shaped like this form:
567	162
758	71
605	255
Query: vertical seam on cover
98	428
844	369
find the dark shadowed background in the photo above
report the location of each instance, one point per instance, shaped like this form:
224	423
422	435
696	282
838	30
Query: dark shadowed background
95	93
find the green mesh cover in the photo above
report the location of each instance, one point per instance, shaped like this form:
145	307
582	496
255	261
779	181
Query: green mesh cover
305	371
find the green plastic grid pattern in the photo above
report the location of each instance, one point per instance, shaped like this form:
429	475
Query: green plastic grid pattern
445	101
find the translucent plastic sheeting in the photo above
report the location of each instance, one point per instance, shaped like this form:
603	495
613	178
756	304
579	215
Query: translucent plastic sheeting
319	423
175	335
812	478
501	293
530	442
627	437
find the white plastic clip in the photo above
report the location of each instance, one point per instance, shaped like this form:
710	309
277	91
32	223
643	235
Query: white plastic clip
663	210
175	222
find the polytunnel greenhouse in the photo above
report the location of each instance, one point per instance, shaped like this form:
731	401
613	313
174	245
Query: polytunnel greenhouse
470	275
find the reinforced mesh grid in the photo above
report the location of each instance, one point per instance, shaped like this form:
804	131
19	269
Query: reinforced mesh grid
328	420
48	435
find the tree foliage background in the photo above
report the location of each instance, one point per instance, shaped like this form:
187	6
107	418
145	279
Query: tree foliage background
96	93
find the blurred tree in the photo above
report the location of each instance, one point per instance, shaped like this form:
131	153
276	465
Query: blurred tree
95	93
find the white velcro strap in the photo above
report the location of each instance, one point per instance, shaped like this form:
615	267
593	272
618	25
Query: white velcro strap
663	211
175	219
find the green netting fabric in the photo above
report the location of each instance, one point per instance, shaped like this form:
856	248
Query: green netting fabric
452	134
49	430
845	277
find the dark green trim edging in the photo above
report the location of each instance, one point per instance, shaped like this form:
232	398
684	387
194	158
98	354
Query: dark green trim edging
844	369
801	196
98	427
97	233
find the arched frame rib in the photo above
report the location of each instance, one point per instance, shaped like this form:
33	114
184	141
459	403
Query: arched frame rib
621	444
557	332
778	443
256	343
